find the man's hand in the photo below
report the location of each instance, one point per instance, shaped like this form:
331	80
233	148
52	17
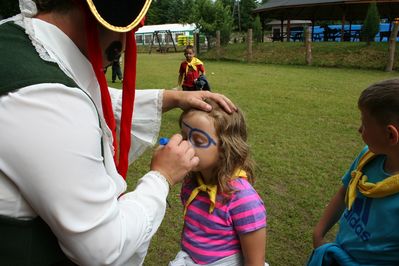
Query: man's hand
175	159
195	99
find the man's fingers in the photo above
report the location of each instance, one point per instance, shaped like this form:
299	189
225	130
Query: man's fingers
222	100
176	139
225	102
194	161
190	151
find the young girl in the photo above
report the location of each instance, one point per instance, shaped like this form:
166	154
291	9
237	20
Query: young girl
224	217
190	70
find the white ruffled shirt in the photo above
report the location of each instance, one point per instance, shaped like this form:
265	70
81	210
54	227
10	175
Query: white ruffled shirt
51	163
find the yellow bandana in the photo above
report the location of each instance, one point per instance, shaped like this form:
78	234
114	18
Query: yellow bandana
380	189
193	64
210	189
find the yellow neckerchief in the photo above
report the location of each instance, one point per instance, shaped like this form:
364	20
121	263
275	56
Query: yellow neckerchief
210	189
380	189
194	63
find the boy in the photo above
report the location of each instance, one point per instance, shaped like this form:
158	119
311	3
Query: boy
190	70
368	202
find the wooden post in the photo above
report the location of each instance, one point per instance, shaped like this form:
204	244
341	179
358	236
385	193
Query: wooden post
392	45
218	44
263	34
281	30
197	43
288	30
312	37
249	45
308	46
350	30
343	28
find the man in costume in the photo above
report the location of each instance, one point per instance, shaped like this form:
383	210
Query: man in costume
62	187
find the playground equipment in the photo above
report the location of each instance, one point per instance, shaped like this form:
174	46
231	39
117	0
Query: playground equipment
184	40
162	48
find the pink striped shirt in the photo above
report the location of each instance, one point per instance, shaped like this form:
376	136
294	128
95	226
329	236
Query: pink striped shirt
210	237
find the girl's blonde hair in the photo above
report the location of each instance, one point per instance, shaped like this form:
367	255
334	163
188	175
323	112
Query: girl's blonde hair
233	148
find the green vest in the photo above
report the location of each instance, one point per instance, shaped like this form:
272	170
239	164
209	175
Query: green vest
20	63
29	242
26	242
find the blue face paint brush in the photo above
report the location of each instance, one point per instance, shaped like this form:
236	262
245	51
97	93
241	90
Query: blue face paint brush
163	141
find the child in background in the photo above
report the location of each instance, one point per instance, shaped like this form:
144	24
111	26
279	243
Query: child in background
190	70
368	202
224	217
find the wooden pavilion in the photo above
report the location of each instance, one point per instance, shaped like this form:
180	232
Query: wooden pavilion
318	10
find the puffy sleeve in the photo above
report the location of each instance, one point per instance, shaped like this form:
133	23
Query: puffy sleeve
146	118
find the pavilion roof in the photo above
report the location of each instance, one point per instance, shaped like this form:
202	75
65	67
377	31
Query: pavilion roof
326	9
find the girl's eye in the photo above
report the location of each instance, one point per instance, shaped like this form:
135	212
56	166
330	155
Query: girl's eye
199	139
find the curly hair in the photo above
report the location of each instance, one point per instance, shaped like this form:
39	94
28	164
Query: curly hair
234	151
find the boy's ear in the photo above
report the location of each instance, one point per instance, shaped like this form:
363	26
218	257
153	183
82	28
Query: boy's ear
393	134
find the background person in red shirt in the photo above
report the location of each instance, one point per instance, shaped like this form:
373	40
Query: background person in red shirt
190	70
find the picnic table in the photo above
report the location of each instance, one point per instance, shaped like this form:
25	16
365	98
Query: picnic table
385	34
277	36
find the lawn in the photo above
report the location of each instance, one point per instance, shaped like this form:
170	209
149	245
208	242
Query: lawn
303	133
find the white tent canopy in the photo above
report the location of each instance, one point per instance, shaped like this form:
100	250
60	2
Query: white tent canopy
163	27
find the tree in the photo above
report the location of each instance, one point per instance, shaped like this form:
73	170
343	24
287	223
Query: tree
257	29
371	25
175	11
224	21
210	16
204	17
188	8
165	11
246	7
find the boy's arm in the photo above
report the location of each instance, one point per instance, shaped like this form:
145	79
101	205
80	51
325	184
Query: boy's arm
330	217
253	246
179	80
202	69
182	71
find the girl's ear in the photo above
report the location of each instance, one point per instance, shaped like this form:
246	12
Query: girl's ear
393	134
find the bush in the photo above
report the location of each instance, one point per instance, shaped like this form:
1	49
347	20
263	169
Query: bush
371	24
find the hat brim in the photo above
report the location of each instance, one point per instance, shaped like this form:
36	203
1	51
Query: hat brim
119	16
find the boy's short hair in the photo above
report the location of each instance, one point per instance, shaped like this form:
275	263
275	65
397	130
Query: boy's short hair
381	100
189	47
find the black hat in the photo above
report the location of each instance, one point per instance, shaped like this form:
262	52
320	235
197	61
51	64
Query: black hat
119	15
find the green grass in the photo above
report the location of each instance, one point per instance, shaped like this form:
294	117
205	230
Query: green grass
303	133
329	54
